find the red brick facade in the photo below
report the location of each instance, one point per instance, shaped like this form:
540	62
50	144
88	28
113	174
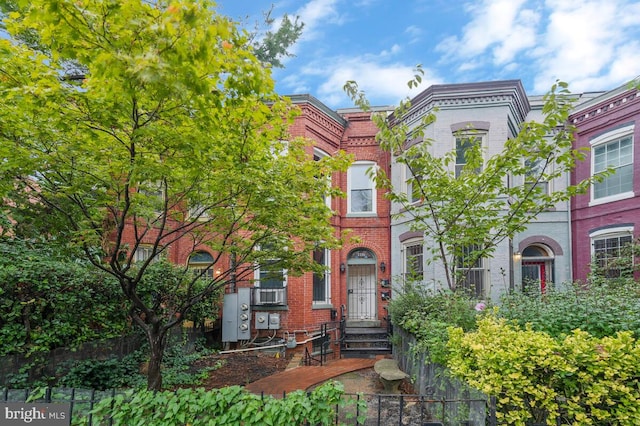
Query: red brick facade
598	122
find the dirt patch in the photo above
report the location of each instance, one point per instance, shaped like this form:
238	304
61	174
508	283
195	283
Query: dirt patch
240	368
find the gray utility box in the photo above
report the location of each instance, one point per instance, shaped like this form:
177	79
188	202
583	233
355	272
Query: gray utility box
267	321
236	316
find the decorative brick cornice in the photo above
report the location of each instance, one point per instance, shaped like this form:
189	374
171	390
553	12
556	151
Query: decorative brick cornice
326	123
603	105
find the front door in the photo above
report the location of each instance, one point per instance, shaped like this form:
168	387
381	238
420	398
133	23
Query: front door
534	276
361	292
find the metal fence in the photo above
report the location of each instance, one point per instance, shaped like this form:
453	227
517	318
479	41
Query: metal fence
388	410
382	410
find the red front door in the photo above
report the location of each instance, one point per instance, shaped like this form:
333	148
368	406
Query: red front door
534	273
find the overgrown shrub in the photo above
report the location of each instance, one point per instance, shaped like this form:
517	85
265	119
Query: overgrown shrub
427	315
111	373
602	309
584	379
47	301
127	372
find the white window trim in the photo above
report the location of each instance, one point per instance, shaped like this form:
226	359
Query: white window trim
408	189
481	134
603	234
604	139
626	230
143	252
321	154
327	282
550	168
484	273
373	191
256	277
405	245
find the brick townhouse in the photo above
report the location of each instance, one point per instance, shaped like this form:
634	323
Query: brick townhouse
556	248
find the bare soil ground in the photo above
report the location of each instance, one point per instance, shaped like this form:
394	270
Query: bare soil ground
240	368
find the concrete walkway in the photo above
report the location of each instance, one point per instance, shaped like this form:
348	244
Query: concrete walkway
302	377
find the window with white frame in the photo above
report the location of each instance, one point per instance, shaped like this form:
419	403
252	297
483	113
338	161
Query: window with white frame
321	280
414	260
199	211
270	283
145	252
464	143
154	196
612	257
317	156
470	269
613	151
534	175
361	188
412	186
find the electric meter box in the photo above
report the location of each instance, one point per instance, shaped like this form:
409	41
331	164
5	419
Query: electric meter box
274	321
236	316
262	321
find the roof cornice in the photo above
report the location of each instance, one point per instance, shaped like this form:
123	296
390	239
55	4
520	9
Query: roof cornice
471	95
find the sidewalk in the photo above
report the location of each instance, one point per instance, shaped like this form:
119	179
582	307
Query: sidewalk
302	377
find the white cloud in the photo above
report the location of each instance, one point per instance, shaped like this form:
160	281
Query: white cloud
378	80
315	14
593	47
414	33
503	27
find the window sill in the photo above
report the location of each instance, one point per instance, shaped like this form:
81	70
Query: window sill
612	198
269	307
363	214
321	306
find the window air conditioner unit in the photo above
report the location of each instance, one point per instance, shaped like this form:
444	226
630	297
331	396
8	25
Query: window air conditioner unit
269	296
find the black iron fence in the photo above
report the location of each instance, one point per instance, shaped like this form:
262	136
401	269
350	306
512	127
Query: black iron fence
381	410
389	410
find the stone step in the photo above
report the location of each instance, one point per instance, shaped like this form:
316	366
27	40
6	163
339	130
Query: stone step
350	339
366	330
364	352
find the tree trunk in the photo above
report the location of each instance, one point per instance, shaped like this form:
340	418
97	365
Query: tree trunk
157	343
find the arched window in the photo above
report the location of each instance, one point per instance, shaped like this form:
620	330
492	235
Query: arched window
201	263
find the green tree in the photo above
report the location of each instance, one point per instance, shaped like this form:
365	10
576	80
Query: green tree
270	43
174	136
271	46
469	211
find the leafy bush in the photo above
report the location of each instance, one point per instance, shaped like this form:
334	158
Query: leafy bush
227	406
47	301
600	310
112	373
427	315
126	372
585	379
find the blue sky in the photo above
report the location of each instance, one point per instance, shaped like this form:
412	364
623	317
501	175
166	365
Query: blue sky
593	45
